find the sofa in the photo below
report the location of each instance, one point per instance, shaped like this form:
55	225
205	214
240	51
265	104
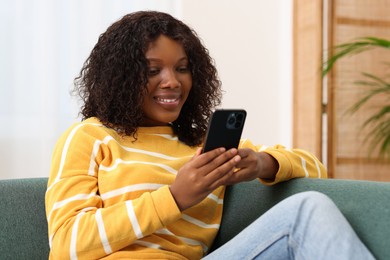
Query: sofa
366	204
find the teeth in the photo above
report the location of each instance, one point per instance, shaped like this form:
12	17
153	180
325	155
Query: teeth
166	100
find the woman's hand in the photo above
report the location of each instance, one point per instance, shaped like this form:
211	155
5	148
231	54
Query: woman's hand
203	174
254	165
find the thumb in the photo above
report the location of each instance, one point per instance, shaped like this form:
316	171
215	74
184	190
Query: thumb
198	152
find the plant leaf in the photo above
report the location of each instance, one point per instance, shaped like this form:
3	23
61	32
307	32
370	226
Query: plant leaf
379	135
348	49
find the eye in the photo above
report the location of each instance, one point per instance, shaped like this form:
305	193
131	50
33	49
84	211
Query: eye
183	69
153	71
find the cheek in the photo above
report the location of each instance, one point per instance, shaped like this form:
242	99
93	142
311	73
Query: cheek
187	82
152	84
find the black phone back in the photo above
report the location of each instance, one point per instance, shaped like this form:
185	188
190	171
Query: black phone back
225	129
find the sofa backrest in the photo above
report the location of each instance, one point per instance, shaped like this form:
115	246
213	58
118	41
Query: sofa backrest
23	226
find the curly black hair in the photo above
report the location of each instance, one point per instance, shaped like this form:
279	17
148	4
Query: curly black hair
113	80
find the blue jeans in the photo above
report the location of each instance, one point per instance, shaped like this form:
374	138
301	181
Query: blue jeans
307	225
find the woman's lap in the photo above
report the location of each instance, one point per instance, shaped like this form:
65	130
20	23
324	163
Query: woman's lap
307	225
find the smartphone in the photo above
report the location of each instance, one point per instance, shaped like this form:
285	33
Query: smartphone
224	129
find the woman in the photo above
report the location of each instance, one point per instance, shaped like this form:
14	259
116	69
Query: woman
129	181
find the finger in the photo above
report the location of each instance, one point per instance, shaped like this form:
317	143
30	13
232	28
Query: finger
224	180
197	153
204	158
244	163
217	175
244	152
249	158
238	176
220	160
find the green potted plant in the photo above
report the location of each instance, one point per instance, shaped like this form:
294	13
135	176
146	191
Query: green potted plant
379	122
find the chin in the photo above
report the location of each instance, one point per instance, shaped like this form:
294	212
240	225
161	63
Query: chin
161	119
170	117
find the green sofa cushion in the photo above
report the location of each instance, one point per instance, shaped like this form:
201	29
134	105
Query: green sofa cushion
23	226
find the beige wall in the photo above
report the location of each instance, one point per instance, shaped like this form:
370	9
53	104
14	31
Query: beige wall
47	42
251	43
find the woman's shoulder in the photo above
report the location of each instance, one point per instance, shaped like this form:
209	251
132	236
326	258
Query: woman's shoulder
88	128
89	124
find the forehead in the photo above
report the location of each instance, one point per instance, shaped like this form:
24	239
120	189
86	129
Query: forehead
165	46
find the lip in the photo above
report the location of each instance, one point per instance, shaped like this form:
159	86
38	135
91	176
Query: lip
169	100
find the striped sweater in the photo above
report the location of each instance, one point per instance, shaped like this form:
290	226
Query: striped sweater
108	196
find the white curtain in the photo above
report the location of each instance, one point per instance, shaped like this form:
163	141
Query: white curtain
43	45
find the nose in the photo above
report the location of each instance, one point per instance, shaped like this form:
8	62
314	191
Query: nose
169	79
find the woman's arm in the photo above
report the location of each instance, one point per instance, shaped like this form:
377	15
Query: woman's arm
275	164
79	223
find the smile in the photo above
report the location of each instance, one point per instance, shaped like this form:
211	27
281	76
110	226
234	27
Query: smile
166	100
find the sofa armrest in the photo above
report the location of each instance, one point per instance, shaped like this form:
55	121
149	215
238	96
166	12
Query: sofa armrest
365	204
23	225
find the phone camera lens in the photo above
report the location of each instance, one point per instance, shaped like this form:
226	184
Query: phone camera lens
234	121
231	120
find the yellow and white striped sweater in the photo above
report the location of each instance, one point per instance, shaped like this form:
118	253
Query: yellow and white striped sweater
108	195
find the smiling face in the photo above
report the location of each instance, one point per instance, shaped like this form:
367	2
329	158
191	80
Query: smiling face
169	82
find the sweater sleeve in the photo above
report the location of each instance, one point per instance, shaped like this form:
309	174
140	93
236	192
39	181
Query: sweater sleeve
293	163
79	223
